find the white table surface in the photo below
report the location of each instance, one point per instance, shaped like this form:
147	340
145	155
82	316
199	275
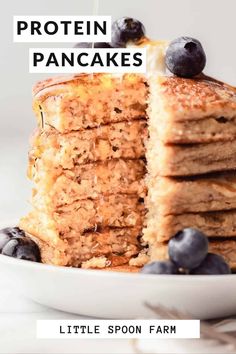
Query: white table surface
18	317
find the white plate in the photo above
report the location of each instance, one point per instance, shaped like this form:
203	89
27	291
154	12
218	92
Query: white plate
119	295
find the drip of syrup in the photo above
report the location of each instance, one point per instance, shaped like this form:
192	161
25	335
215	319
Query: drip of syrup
95	11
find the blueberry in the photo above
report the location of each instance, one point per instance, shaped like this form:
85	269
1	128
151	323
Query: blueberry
212	264
13	231
4	238
188	248
126	29
160	267
185	57
90	45
22	248
7	233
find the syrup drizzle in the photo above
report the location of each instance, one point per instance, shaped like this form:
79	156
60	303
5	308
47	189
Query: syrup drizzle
95	13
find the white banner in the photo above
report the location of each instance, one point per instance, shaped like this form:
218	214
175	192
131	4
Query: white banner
146	329
83	60
62	28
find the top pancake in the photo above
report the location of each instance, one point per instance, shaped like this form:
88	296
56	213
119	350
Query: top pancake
198	110
88	101
184	110
189	99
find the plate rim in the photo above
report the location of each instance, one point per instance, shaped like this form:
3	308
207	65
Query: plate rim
104	273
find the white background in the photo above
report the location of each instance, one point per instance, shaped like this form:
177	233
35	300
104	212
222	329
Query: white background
211	21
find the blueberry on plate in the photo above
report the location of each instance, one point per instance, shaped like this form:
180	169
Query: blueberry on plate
126	29
185	57
92	45
22	248
160	267
212	264
188	248
7	234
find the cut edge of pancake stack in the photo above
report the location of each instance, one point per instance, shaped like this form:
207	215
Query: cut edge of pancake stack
87	166
191	164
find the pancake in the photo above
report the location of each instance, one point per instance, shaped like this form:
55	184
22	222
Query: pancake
88	101
203	193
81	216
121	140
213	224
107	247
59	187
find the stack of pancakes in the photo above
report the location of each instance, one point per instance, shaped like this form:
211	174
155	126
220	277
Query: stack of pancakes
87	165
191	156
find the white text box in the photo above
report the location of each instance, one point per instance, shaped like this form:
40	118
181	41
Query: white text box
146	329
80	60
62	29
